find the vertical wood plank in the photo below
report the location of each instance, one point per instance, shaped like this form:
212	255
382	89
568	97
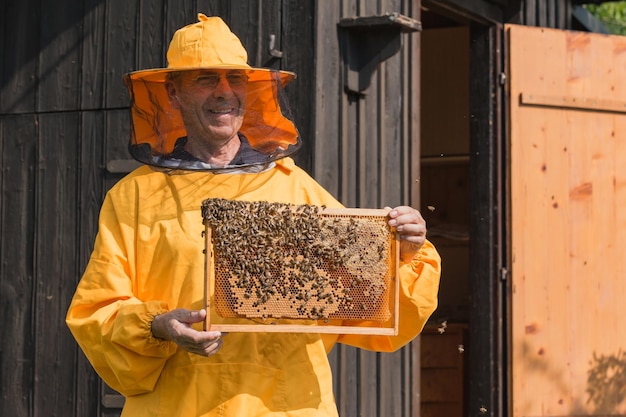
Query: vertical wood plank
151	39
121	49
271	21
486	250
413	397
244	19
566	14
538	12
393	108
349	153
179	13
18	140
413	91
393	145
412	166
551	13
59	57
564	170
349	128
530	12
551	20
90	194
367	191
326	115
55	260
368	374
348	383
19	63
297	44
93	50
371	133
367	146
535	316
212	7
392	383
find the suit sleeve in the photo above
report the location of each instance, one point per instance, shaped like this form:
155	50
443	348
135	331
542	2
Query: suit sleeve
109	323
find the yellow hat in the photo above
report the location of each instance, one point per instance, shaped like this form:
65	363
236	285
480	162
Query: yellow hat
208	44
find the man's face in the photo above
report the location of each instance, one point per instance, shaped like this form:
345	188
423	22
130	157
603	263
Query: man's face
211	103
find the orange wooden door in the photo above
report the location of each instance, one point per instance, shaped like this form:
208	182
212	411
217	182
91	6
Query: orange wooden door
567	222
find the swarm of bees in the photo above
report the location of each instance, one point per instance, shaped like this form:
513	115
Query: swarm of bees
274	260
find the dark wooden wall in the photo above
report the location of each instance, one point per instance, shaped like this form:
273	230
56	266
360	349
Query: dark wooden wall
366	152
64	117
547	13
557	14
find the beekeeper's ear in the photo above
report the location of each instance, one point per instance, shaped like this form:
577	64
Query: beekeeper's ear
170	87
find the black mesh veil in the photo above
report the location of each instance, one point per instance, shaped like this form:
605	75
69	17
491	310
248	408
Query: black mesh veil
158	133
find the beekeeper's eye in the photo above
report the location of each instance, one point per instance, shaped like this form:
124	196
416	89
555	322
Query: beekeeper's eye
236	79
212	79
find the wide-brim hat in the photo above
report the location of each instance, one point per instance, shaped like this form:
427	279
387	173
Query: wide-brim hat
208	44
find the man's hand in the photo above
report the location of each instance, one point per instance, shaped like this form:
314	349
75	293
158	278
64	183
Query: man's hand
175	325
411	228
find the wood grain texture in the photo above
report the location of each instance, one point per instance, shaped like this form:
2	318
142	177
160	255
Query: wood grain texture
120	49
21	21
63	102
567	188
17	270
56	188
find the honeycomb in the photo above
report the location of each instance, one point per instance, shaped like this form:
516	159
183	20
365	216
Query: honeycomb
282	261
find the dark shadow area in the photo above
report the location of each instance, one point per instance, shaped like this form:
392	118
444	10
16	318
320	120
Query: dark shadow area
29	28
606	382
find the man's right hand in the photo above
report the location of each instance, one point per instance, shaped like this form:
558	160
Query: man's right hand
175	325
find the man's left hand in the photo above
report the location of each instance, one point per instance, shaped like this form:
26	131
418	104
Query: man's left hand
411	228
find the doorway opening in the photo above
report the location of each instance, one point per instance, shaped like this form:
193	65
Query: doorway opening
445	203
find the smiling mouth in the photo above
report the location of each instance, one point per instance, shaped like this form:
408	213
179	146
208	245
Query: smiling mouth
222	111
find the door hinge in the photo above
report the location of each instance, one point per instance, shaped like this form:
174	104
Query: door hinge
504	274
502	78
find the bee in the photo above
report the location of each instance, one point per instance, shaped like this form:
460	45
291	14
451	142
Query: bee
442	329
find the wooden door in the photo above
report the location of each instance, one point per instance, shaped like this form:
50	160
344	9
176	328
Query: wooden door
567	222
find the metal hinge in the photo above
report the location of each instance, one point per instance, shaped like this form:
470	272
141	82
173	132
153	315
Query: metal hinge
272	47
504	274
502	78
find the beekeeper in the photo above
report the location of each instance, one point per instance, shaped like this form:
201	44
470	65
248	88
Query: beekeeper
211	126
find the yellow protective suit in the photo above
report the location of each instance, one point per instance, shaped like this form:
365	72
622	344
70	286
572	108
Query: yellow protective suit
148	258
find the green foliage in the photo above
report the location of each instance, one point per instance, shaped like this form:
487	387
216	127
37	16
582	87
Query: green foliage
612	14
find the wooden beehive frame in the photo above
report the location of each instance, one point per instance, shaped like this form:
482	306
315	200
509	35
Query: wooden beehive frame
357	276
